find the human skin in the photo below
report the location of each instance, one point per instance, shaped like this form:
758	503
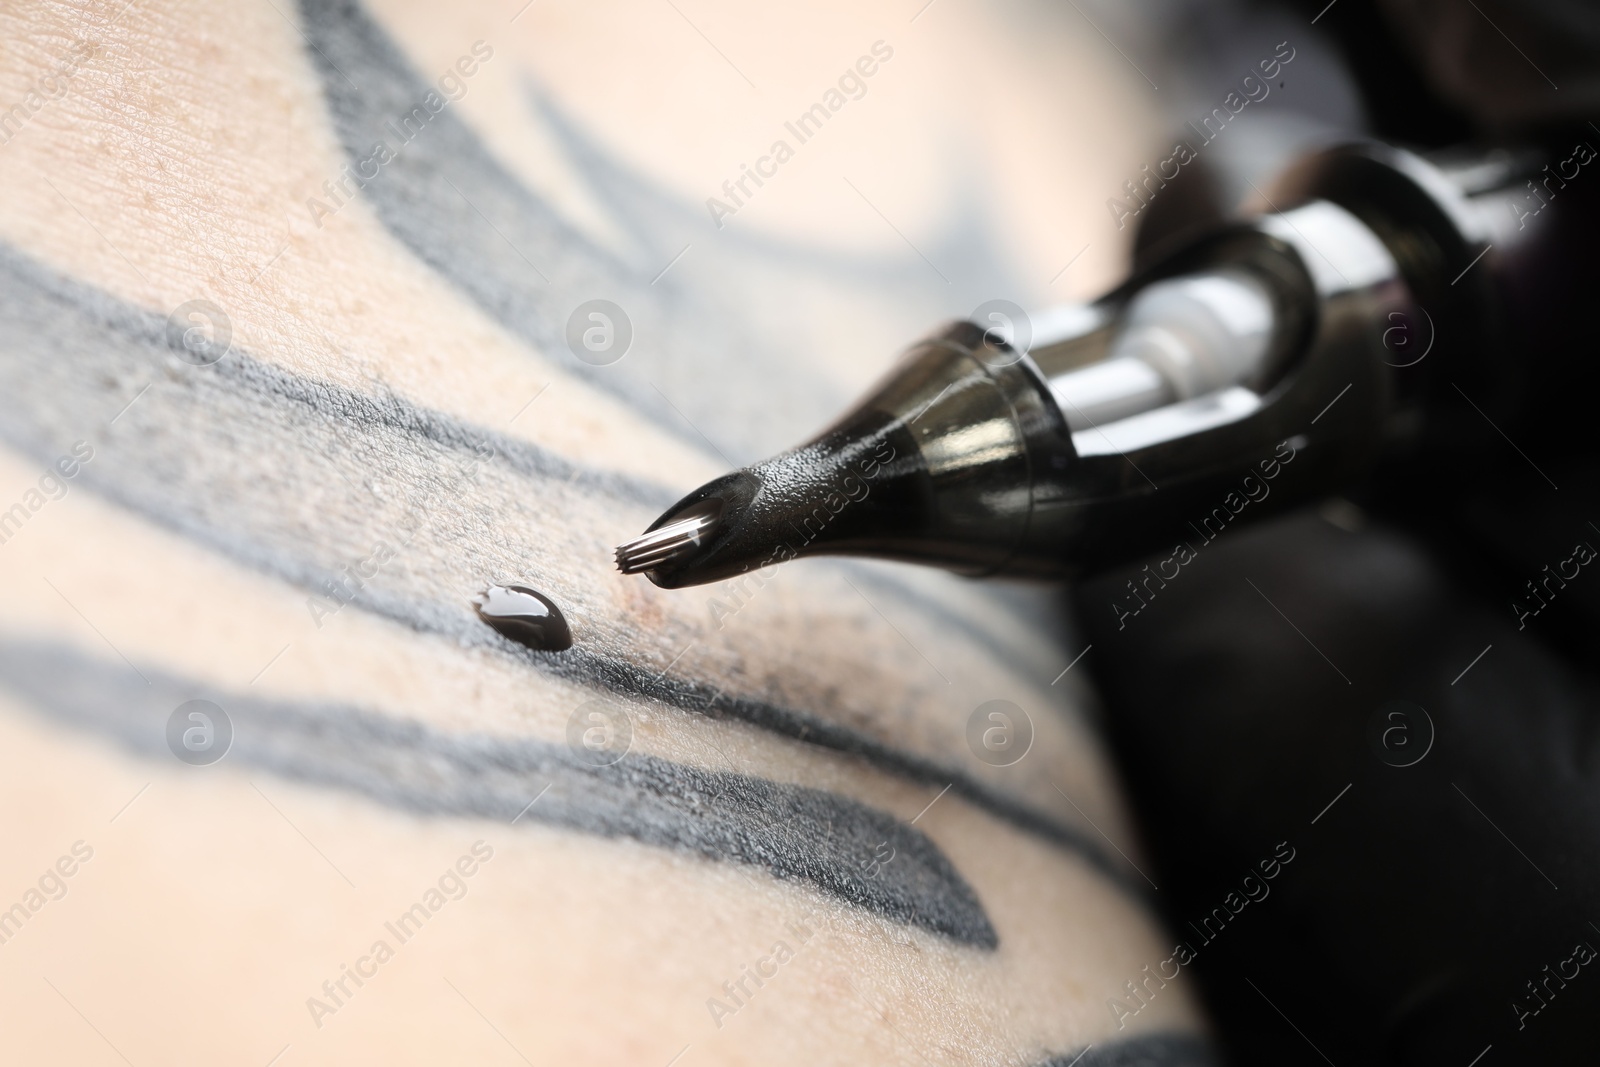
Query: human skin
393	389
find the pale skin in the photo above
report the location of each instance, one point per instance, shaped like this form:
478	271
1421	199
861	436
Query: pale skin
223	905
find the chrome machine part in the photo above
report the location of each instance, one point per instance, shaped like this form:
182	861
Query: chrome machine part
1176	339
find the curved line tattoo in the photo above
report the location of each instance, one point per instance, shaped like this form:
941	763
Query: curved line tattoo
793	832
294	477
446	196
1151	1050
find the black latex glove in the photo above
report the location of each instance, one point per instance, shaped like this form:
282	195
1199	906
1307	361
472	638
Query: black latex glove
1254	689
1430	911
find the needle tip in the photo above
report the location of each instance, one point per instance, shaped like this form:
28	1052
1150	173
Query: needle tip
661	546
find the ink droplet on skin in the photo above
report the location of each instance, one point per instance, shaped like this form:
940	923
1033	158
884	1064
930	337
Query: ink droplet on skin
525	615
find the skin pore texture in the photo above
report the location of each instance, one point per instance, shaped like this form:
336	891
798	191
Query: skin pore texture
296	532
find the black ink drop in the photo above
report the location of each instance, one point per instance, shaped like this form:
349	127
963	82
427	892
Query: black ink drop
525	615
